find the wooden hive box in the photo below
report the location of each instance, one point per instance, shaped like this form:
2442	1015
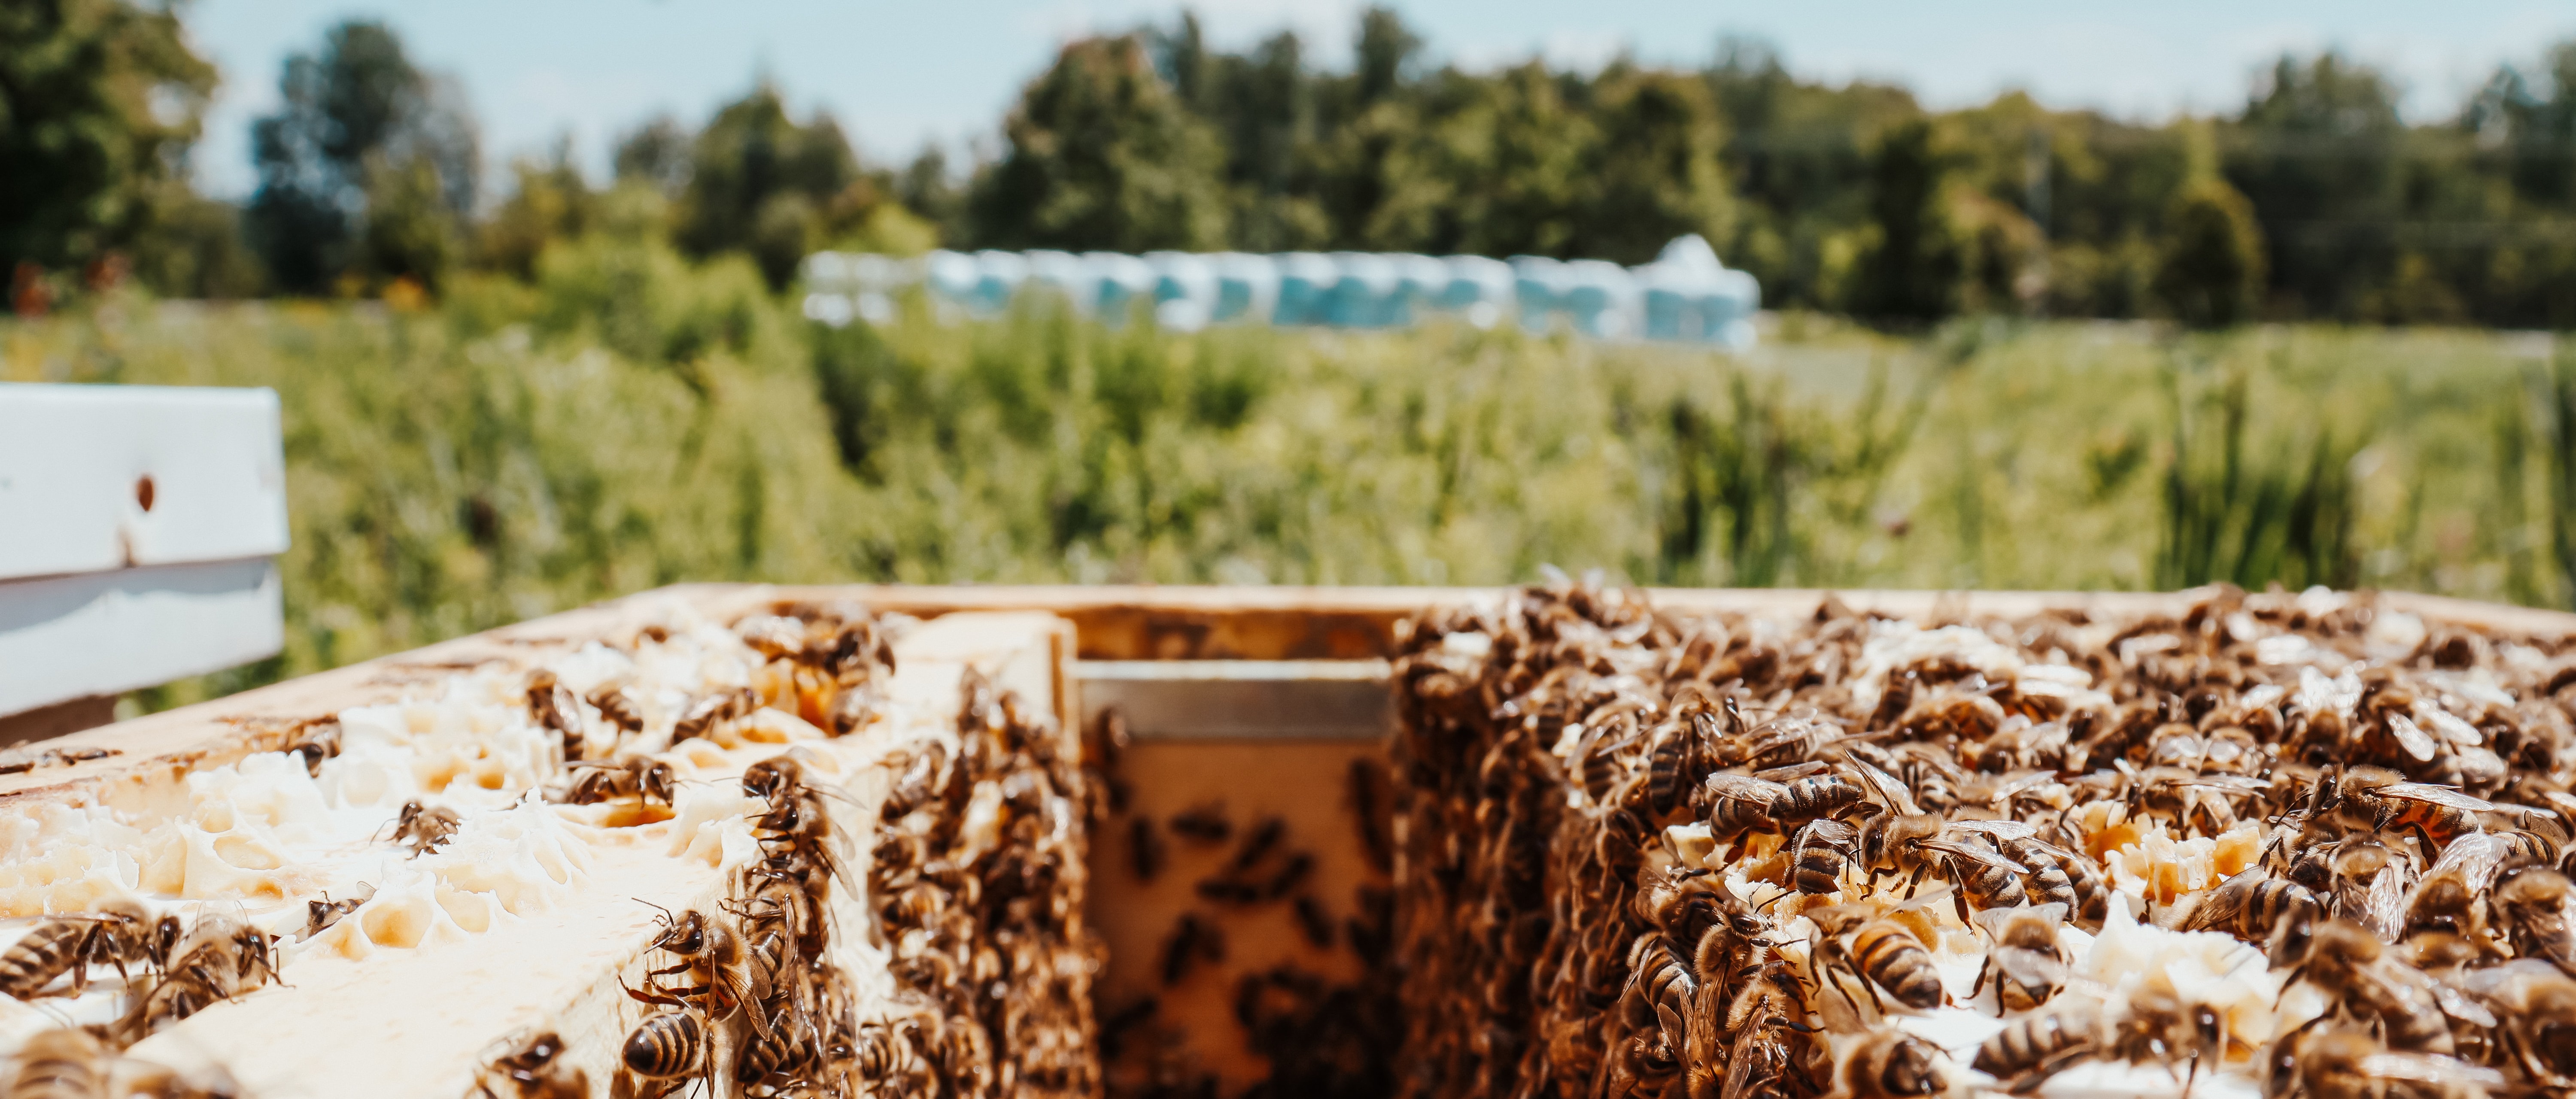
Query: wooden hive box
1237	711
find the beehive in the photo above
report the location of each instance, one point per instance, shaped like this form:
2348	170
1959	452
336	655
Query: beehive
1268	903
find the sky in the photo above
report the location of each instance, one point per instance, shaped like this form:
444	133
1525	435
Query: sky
899	76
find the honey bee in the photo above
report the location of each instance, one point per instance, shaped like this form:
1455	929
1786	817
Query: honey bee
2160	1027
423	827
779	776
1883	952
532	1070
879	1055
1985	878
219	957
2349	1064
1892	843
1675	758
2451	895
114	935
1735	804
2250	905
613	703
1146	849
315	741
669	1048
1764	1010
641	777
852	708
63	1063
713	954
706	713
2533	906
1818	852
773	636
2048	880
1814	798
2538	1025
2436	815
552	706
321	914
2349	964
2034	1047
1889	1062
2024	960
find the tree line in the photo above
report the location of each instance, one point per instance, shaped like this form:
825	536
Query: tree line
2315	201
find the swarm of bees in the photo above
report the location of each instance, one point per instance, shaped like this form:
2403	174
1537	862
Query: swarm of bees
978	881
167	969
1652	854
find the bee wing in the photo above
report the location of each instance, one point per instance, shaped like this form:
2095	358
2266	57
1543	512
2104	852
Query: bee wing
2028	966
1973	854
1999	829
2426	1069
2459	1006
2005	792
1898	797
2561	799
2412	737
2384	907
1743	788
1792	772
2234	783
2474	857
2437	795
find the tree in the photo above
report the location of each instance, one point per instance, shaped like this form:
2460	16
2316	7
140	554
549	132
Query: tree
1102	155
656	154
360	121
1657	175
99	101
552	202
2211	273
1386	53
762	183
2316	152
1913	266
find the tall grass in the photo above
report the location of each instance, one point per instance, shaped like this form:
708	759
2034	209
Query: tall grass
630	421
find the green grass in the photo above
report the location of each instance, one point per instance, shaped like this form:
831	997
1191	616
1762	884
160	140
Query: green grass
630	423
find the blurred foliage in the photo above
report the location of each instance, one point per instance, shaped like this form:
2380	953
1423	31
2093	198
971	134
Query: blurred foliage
1101	156
628	418
366	171
99	100
2316	200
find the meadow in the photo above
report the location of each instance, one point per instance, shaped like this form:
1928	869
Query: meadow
627	420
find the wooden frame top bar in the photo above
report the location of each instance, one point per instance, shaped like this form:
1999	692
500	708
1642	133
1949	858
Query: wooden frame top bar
1156	622
1120	622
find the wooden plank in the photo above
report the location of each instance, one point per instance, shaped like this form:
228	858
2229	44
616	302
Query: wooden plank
96	478
417	1022
1154	622
1261	699
105	633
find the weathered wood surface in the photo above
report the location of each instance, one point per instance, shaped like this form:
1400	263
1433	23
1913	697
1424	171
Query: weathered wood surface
1151	622
412	1022
415	1024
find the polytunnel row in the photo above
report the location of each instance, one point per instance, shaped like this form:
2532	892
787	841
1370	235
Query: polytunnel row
1685	295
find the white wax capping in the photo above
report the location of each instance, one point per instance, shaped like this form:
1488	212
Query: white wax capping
711	822
1894	645
2194	967
526	857
590	666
